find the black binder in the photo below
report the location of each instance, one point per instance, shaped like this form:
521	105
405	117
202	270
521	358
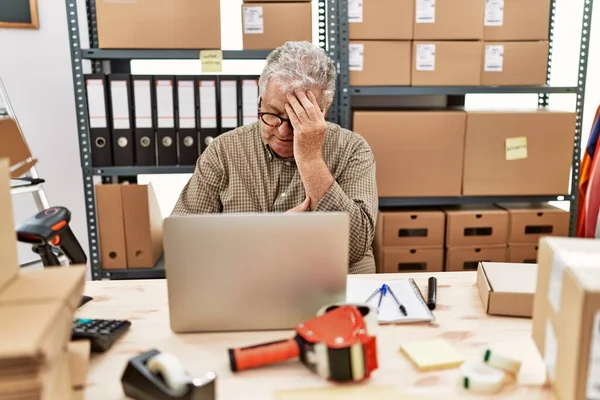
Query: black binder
229	101
166	136
187	119
98	117
144	133
121	119
209	115
250	93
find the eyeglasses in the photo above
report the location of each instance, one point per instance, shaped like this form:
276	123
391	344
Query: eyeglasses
271	119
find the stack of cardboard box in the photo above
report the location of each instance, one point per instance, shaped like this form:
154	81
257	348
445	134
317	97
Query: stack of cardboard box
130	226
36	312
267	24
475	234
448	42
566	315
410	241
528	223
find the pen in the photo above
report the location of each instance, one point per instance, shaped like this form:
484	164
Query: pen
402	309
431	292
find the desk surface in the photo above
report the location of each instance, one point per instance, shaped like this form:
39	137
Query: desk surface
460	319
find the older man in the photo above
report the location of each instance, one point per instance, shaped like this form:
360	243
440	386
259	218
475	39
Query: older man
291	160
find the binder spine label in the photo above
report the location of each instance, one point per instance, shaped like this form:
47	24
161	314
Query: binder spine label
229	117
249	101
164	104
208	104
96	103
120	104
143	104
187	105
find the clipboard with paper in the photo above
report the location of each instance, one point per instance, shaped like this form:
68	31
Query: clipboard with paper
387	301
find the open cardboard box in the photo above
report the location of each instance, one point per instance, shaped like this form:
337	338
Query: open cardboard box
36	307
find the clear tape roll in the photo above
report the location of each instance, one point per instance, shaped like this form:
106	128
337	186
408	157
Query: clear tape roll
479	377
501	361
171	369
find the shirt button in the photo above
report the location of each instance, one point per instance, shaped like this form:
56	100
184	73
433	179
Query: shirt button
282	194
288	163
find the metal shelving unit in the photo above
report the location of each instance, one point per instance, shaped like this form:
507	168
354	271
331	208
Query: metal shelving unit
456	98
118	61
333	37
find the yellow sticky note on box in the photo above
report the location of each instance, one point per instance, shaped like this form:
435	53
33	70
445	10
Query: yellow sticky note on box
211	60
429	355
516	148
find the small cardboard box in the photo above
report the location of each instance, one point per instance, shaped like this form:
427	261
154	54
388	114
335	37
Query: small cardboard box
572	352
522	253
524	152
467	258
446	63
448	20
111	226
159	24
366	68
514	63
501	293
470	225
402	140
516	20
399	259
266	26
381	19
554	256
411	228
529	222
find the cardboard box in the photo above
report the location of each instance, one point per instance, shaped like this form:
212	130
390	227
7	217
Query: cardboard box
447	63
448	20
411	228
266	26
396	259
573	336
159	24
467	258
501	293
381	19
143	226
517	20
514	63
36	310
418	153
111	226
14	148
524	153
522	253
366	68
554	256
470	225
529	222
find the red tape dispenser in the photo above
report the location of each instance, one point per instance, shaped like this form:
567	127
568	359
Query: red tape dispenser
336	345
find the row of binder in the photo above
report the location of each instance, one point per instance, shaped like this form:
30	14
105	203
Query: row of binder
149	120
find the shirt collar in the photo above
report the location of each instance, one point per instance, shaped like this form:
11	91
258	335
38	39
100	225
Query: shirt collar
270	153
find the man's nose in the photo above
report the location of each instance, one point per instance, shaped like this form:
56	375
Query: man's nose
285	129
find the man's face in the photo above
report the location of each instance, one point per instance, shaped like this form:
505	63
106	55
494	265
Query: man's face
281	138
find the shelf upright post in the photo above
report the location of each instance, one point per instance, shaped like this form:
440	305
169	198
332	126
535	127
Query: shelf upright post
83	135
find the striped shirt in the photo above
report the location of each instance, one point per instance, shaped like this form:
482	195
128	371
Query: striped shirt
238	172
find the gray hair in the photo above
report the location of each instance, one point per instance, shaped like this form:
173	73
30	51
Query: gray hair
300	65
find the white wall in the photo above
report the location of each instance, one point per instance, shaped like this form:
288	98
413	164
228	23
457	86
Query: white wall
35	66
36	69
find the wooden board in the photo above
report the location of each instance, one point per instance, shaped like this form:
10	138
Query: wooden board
19	14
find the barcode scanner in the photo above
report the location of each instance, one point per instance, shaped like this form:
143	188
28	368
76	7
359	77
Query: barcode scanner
49	229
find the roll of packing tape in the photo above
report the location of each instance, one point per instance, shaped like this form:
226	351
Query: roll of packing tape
501	361
479	377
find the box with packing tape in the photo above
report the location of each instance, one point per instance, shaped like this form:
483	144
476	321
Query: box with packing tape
566	316
36	310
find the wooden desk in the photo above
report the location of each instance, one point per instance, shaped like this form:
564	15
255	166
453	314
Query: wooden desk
459	318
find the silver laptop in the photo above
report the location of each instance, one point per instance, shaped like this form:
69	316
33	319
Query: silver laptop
233	272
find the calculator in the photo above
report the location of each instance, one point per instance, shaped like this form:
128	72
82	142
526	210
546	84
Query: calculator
102	333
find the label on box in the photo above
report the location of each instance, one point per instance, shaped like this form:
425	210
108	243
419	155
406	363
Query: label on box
550	350
357	56
516	148
425	57
494	58
494	13
593	378
253	20
425	12
355	11
555	285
